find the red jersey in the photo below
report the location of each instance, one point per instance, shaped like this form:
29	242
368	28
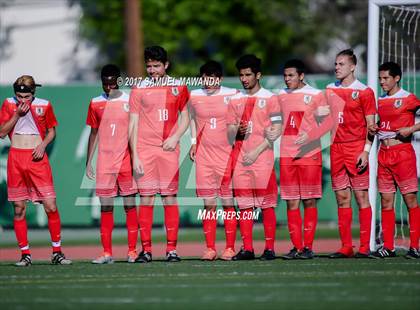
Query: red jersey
397	111
158	108
210	112
40	109
111	118
349	107
298	108
259	111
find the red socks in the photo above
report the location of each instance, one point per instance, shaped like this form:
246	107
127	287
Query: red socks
21	232
365	222
245	225
171	224
388	227
414	222
344	227
230	226
132	228
107	225
294	223
145	223
309	226
209	228
269	222
54	226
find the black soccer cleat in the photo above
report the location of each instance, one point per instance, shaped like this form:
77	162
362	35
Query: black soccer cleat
172	257
293	254
244	255
58	258
25	261
412	254
363	255
268	255
144	257
306	254
338	255
384	253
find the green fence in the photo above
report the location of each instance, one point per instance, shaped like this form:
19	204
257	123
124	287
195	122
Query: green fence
77	204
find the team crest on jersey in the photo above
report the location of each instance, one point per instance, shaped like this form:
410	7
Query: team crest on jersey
355	95
398	103
39	111
261	103
226	99
126	107
175	91
307	99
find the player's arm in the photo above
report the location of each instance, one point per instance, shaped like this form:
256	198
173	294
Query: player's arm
193	129
132	140
405	132
170	143
39	150
93	141
7	126
363	158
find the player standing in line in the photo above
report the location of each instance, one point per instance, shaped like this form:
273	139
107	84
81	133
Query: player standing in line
211	151
301	158
30	123
353	109
108	117
396	158
155	108
254	180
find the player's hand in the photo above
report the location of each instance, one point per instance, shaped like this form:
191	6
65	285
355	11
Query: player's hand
244	129
137	167
170	144
362	161
250	157
405	132
22	109
323	110
271	134
193	151
90	173
302	138
373	129
38	152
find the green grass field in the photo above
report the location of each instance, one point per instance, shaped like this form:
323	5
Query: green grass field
315	284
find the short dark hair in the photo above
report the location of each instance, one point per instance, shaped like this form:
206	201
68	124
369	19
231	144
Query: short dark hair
393	68
350	53
297	64
156	53
110	70
249	61
212	67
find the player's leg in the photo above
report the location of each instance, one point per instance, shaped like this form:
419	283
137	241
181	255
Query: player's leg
230	222
106	228
309	227
145	224
21	232
132	226
171	215
209	228
411	202
365	221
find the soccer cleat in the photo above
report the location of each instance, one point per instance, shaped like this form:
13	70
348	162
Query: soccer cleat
342	253
131	256
104	259
412	254
244	255
172	257
293	253
227	254
384	253
209	254
58	258
25	261
306	253
268	255
144	257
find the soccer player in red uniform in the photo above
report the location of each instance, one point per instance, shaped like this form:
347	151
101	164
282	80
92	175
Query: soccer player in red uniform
396	158
108	117
250	112
300	156
353	110
211	151
156	106
30	123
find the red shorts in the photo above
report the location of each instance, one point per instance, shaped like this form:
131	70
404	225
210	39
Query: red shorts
213	181
397	166
300	181
255	188
28	179
115	184
344	172
161	171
